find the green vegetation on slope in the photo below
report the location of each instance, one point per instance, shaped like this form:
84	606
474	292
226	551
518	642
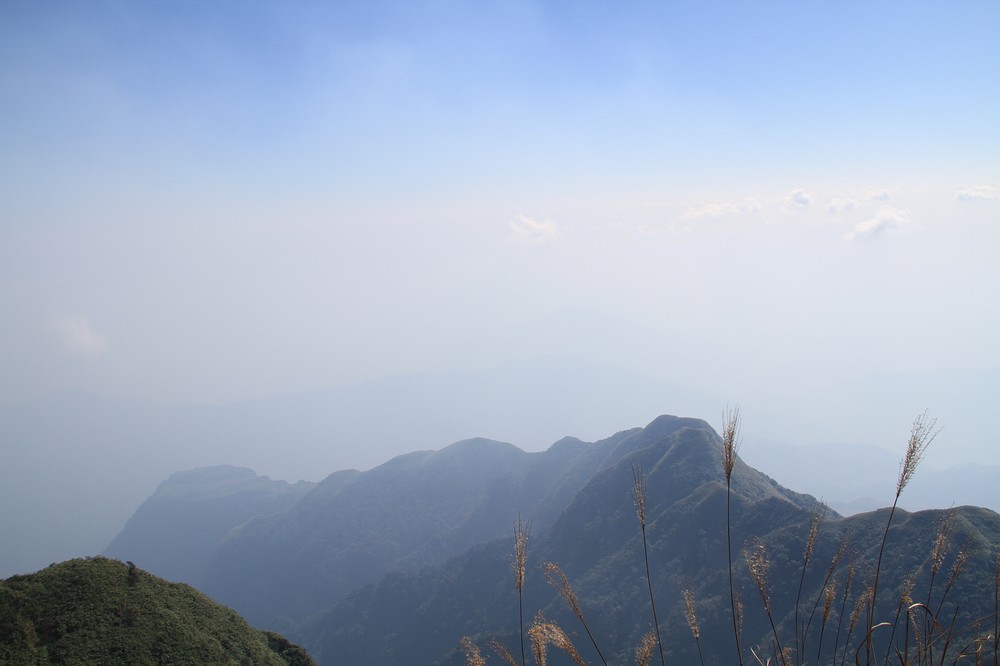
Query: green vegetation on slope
101	611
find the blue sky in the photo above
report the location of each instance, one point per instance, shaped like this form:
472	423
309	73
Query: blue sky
214	202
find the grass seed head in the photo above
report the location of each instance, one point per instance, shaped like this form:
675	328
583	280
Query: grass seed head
958	567
730	440
738	610
502	652
689	614
940	548
860	604
544	633
906	593
639	493
558	580
758	564
829	597
518	564
473	657
644	653
814	524
922	433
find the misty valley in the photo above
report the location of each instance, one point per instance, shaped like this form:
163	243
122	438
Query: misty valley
469	553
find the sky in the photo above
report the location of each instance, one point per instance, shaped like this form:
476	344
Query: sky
787	205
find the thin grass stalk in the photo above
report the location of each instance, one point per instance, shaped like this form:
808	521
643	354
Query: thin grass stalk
977	645
972	626
860	604
921	636
938	553
639	495
692	620
905	599
522	531
857	652
851	570
730	446
956	570
906	638
996	611
758	564
949	636
830	596
739	613
830	570
558	580
957	567
814	523
922	433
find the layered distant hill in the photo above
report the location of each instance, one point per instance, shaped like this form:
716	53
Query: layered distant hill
175	532
394	565
100	611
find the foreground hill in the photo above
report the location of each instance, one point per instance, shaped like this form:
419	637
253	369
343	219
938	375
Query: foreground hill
101	611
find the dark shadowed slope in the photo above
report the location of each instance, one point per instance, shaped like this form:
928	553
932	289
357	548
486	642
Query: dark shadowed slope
414	510
175	532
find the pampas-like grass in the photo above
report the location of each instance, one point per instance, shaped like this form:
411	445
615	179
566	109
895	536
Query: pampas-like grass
730	447
502	652
518	564
639	495
922	433
814	523
692	621
644	652
473	657
558	580
931	633
543	634
759	566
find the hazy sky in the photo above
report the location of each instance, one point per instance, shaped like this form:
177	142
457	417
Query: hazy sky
208	202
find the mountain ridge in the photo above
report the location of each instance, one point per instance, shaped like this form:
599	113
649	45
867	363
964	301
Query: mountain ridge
392	565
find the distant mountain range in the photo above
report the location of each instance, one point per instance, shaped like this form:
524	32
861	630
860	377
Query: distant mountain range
176	531
75	465
395	564
850	487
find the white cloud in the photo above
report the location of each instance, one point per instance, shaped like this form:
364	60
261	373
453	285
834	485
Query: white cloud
887	218
978	193
880	195
841	205
529	231
799	198
78	336
715	210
